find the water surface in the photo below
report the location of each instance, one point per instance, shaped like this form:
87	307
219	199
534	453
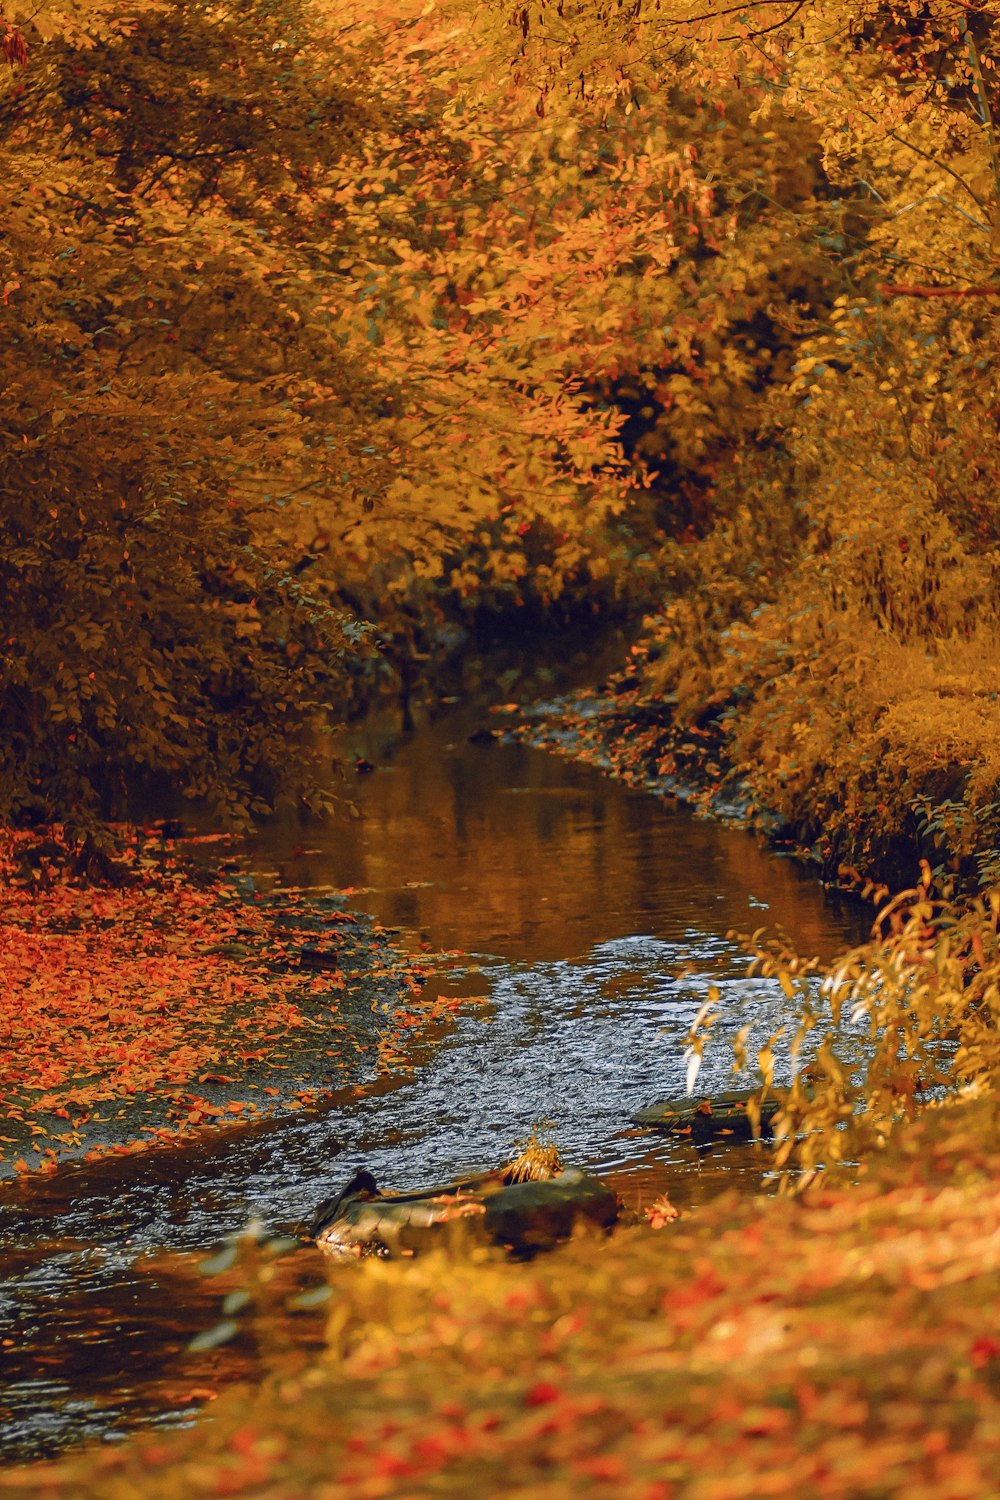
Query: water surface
583	921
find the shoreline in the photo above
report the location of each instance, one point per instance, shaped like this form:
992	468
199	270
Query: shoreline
176	1005
624	732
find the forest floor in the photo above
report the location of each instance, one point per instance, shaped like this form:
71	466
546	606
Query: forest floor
838	1344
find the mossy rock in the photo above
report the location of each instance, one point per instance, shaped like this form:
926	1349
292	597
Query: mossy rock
523	1216
719	1119
531	1215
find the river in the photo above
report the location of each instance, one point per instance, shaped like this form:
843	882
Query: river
583	923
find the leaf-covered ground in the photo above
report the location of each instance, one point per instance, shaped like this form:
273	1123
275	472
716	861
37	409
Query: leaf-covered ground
843	1344
134	1015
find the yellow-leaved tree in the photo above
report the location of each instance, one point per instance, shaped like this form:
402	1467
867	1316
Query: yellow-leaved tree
842	599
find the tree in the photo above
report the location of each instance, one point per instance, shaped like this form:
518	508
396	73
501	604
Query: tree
844	592
163	357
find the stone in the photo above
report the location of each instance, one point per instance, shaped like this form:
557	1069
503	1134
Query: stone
522	1216
721	1118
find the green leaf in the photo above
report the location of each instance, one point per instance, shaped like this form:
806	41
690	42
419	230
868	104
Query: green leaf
315	1297
221	1333
219	1263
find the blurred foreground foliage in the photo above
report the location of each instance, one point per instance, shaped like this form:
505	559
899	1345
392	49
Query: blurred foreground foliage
832	1344
905	1020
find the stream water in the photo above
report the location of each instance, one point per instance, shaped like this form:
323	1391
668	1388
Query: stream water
569	903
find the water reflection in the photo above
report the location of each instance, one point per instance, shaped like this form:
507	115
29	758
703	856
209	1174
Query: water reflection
507	851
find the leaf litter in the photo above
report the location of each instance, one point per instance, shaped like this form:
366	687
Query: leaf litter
133	1016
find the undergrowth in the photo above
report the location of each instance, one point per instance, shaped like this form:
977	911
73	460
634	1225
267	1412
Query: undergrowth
899	1025
843	608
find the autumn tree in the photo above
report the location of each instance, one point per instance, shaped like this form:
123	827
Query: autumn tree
164	365
842	601
405	311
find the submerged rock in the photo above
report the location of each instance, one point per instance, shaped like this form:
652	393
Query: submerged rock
523	1216
721	1118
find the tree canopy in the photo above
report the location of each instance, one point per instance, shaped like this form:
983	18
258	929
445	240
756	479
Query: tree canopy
322	317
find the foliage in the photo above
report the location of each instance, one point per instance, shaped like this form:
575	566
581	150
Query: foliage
292	288
702	1361
853	630
537	1159
245	340
838	591
577	291
134	1016
152	625
910	1017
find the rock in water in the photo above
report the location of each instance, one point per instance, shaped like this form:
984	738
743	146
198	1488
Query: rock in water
523	1216
706	1121
361	1188
533	1215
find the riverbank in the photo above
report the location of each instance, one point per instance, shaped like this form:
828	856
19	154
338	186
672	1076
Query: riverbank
833	1344
179	999
922	986
604	1368
629	730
